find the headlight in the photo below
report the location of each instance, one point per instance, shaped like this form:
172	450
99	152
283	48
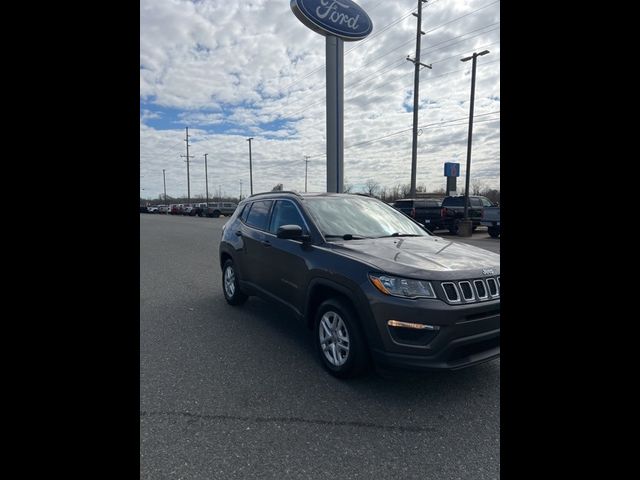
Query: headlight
402	287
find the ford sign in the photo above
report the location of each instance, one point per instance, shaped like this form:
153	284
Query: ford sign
340	18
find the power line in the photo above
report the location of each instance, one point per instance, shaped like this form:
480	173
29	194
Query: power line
431	50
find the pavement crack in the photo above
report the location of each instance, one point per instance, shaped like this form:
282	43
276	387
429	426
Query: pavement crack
308	421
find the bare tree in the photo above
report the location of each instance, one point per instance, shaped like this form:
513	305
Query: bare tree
371	187
279	187
476	188
347	187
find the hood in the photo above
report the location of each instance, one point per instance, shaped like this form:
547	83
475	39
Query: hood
422	257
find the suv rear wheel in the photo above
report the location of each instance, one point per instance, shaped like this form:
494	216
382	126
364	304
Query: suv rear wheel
339	341
230	286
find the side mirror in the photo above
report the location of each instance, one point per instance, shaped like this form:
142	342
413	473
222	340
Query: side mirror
292	232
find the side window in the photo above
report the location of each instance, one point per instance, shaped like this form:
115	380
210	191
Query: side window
259	214
285	213
486	202
245	212
475	202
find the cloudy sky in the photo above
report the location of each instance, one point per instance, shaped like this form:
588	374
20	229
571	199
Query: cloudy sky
233	70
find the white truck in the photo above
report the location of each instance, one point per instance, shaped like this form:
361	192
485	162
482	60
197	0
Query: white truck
491	219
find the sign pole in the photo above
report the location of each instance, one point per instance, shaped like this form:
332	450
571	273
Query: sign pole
335	109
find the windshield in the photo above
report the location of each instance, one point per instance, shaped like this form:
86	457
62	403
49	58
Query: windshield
359	217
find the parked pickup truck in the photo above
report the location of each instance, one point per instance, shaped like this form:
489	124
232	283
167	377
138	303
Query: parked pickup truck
425	211
453	211
491	219
220	208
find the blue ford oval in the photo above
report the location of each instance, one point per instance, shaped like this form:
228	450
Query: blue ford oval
342	18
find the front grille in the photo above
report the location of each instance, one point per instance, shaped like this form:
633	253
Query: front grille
471	291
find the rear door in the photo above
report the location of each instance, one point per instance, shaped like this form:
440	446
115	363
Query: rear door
255	239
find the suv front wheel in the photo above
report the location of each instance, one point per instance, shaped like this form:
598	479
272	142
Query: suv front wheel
339	341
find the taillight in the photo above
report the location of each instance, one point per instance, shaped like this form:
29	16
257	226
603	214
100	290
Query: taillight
443	212
413	212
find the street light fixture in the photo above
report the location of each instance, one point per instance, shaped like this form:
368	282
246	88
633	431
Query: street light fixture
466	222
250	167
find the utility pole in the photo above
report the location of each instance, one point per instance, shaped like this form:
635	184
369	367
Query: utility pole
188	182
473	88
250	167
240	190
206	178
164	180
306	166
416	88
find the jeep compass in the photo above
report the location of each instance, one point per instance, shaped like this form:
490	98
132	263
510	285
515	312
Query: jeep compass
373	285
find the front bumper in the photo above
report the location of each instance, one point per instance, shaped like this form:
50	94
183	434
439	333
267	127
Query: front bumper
466	334
459	353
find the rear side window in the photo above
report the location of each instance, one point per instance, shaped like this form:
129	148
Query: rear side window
475	202
453	202
486	202
259	214
245	212
404	204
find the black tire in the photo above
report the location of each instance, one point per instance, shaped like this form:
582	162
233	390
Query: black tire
494	232
356	360
233	296
453	229
216	214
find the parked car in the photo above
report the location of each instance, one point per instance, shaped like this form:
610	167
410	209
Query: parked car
187	209
176	209
144	209
491	218
453	211
163	209
221	208
426	211
152	209
199	209
372	284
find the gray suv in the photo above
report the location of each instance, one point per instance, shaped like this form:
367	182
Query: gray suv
372	284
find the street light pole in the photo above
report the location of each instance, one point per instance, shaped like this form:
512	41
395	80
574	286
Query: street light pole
250	166
206	178
306	166
164	180
469	138
416	96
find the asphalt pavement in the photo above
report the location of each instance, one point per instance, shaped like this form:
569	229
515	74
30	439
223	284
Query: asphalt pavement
238	393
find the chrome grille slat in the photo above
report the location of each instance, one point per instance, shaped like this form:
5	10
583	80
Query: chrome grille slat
484	287
455	288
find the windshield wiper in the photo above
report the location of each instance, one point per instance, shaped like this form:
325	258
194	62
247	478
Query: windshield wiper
398	234
346	236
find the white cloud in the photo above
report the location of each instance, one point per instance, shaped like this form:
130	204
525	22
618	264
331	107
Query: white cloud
256	67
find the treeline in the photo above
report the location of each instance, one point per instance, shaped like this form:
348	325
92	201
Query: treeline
371	187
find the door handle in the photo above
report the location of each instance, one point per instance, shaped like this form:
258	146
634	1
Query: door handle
266	243
238	233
